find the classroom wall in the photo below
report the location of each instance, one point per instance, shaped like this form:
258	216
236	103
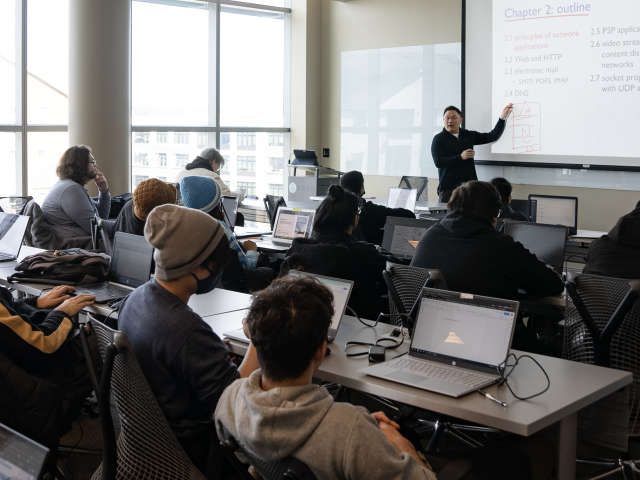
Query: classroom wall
368	24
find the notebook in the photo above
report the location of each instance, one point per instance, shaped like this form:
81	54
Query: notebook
20	457
458	344
290	223
12	228
401	235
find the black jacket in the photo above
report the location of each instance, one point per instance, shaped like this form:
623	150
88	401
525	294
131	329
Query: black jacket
617	254
373	218
127	222
446	150
474	258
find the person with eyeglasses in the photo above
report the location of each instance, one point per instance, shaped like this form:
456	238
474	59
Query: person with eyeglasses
68	207
209	164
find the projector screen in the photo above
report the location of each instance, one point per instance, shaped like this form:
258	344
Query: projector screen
572	71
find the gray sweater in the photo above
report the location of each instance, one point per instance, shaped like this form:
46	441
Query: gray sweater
69	209
336	440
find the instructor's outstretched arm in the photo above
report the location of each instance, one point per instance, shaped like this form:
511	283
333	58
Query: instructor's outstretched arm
495	134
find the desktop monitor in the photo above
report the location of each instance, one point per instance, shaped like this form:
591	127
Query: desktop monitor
553	210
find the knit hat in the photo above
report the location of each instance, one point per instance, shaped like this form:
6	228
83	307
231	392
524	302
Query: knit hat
200	192
151	193
183	239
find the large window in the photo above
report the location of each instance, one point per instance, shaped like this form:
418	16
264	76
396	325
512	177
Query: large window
195	85
249	188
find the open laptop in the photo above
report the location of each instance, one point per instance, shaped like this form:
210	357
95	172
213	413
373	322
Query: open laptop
12	228
547	242
130	267
457	346
20	457
341	290
401	235
230	205
554	210
290	223
402	198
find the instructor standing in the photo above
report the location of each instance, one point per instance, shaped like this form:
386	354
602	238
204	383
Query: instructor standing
452	150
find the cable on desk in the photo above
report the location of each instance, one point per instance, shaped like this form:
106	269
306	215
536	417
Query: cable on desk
396	343
504	377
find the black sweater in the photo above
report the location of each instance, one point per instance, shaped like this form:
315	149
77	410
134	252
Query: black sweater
373	218
127	222
474	258
446	151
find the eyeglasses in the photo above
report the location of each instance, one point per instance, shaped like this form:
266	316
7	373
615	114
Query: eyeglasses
94	163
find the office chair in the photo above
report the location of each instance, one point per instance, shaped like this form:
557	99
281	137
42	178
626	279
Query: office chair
602	327
99	225
14	204
419	183
40	234
145	446
271	204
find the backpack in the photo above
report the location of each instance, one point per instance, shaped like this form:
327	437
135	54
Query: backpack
74	266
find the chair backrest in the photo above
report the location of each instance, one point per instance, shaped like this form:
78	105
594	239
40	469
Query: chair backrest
99	226
602	327
271	204
407	282
38	232
419	183
14	204
147	448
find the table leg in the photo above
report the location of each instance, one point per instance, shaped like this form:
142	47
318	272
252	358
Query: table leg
567	441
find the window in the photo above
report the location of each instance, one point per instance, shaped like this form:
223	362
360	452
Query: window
181	137
246	141
249	188
162	179
227	183
163	137
203	139
247	166
276	139
225	141
138	179
227	161
161	160
182	159
141	137
141	160
276	164
276	189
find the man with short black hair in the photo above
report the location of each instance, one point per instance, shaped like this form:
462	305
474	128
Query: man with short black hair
373	217
505	189
452	150
474	258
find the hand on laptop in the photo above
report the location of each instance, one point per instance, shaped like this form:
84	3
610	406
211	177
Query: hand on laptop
72	306
248	245
54	297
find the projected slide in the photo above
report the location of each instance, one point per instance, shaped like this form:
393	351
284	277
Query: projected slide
572	70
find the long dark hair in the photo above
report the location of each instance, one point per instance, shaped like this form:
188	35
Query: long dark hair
336	212
74	163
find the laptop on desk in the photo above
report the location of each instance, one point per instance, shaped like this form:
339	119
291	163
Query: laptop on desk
547	242
12	228
130	267
20	457
401	235
230	205
402	198
458	344
290	223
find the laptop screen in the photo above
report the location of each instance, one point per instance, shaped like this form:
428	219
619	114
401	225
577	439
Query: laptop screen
12	229
547	242
465	327
231	209
401	235
20	457
554	211
402	198
293	223
132	259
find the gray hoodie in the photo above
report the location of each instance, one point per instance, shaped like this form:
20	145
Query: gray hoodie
336	440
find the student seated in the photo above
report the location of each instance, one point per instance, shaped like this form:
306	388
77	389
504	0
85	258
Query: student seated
148	195
474	258
373	217
68	207
617	254
208	164
333	224
505	189
186	364
205	194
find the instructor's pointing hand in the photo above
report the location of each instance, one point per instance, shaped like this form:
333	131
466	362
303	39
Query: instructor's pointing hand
506	111
467	154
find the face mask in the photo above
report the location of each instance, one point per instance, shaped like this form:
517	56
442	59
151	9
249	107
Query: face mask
207	284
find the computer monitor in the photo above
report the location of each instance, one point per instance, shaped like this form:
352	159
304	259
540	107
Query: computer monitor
401	235
20	457
553	210
230	205
402	198
132	260
547	242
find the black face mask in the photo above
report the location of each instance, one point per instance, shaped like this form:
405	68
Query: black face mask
207	284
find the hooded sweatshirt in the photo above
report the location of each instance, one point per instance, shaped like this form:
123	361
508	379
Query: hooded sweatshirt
476	259
336	440
617	254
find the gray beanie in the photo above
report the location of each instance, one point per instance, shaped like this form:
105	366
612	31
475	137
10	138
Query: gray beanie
183	239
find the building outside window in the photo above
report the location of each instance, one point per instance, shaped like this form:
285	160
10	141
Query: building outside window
141	160
247	166
162	179
137	179
225	141
142	137
181	160
276	189
276	164
249	188
203	139
227	162
181	137
227	183
161	160
246	141
276	139
163	137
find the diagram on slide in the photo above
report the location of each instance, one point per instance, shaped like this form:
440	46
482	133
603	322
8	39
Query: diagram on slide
526	127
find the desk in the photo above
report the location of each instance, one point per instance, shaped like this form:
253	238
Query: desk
573	386
313	204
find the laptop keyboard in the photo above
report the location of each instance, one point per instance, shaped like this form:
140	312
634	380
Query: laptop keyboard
441	372
107	289
4	256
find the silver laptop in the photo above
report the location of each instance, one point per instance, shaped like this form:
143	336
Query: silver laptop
458	344
290	223
12	228
230	205
130	267
401	235
341	290
402	198
20	457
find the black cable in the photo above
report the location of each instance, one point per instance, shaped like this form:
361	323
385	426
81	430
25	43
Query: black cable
383	339
504	378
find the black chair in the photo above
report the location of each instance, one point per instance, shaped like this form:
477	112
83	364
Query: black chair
271	204
419	183
99	226
14	204
602	327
